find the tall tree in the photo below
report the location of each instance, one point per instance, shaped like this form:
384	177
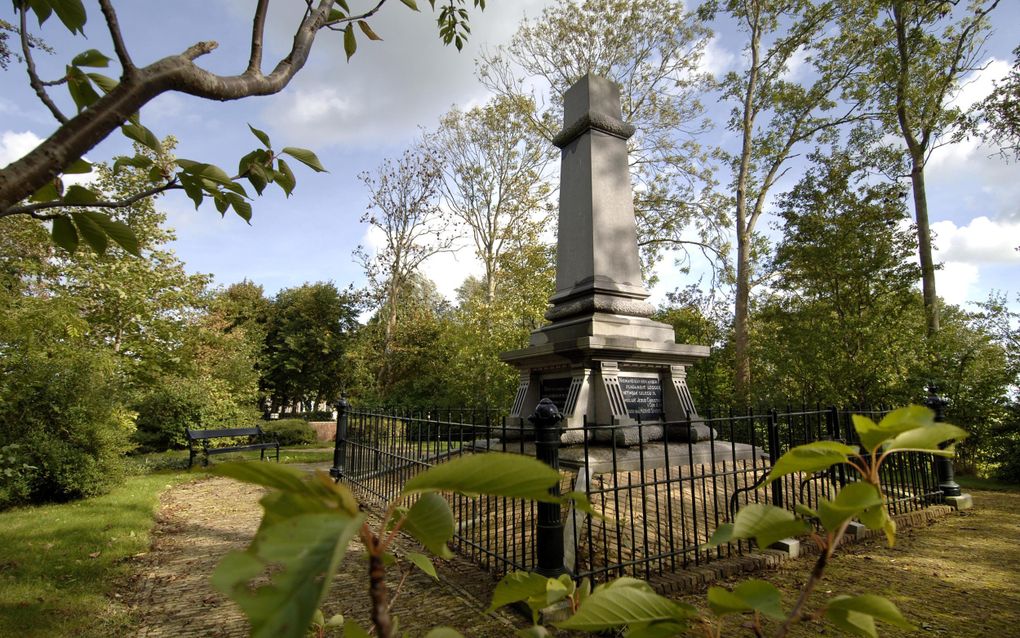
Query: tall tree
843	310
104	105
141	307
404	207
493	177
776	114
653	51
922	51
307	335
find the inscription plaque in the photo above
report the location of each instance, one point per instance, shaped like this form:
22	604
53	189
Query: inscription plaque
643	397
556	391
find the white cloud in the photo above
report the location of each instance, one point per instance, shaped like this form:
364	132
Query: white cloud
982	241
14	146
956	282
796	65
717	59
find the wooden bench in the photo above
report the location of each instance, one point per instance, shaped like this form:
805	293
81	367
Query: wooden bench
198	440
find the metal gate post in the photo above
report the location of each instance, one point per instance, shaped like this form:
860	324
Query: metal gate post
340	440
549	528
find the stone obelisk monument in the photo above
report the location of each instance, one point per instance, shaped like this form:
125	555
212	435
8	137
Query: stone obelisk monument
602	359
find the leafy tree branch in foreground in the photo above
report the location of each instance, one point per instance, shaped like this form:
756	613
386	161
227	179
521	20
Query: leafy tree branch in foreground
104	104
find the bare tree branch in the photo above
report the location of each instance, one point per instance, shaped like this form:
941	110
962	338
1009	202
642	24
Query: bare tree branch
32	210
33	75
257	31
128	67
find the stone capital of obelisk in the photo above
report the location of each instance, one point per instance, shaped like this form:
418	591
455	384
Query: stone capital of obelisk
597	267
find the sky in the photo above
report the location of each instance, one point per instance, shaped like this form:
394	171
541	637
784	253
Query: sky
355	114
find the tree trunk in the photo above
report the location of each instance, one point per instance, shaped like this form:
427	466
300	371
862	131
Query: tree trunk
741	311
931	300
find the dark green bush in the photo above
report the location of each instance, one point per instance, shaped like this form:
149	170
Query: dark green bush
290	431
165	412
59	402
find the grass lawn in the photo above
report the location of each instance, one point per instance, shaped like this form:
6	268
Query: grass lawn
60	564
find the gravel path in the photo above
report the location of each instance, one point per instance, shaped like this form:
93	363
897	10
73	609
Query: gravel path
200	521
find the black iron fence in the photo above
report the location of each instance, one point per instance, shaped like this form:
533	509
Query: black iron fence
660	497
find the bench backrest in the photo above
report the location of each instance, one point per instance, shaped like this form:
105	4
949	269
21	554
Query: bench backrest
195	435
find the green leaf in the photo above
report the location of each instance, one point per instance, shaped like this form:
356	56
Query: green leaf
515	587
118	231
143	136
105	83
79	196
47	193
354	630
877	517
872	434
812	457
766	524
310	548
41	8
411	4
494	473
350	43
92	58
216	174
430	522
192	187
927	438
64	234
306	157
285	177
851	501
71	13
78	167
240	206
91	233
751	595
424	563
367	30
138	161
612	607
274	475
261	135
857	614
80	88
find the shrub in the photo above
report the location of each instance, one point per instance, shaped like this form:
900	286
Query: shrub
15	475
290	431
178	403
59	402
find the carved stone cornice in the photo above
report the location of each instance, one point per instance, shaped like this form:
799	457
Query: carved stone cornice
593	121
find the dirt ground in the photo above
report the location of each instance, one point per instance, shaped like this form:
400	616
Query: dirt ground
957	577
200	521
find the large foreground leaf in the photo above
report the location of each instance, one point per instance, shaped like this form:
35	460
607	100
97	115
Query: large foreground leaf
625	603
813	457
493	473
309	547
766	524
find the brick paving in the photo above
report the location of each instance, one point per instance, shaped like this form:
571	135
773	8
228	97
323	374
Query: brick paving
199	522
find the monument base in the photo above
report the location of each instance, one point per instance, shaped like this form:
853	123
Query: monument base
633	375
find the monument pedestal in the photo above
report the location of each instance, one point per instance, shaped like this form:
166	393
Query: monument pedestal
602	360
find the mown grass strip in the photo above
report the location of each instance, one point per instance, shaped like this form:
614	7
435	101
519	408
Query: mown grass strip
60	564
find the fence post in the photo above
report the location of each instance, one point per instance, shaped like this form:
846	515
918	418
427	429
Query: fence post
943	464
549	529
773	434
340	440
